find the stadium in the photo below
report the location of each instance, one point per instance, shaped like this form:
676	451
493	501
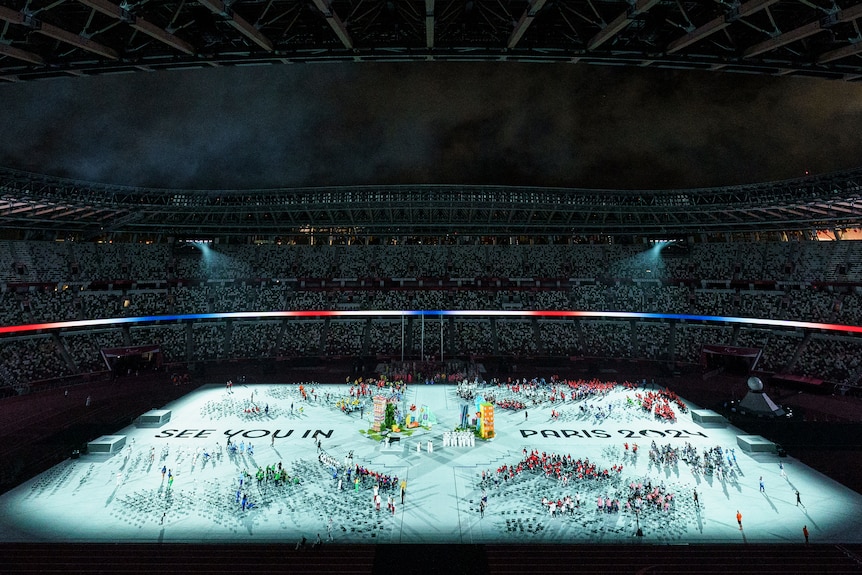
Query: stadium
150	333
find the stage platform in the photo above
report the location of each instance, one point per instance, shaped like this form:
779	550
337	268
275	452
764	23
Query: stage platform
755	444
708	418
154	418
199	497
106	445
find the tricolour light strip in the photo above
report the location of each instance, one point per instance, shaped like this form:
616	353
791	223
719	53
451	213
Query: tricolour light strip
35	327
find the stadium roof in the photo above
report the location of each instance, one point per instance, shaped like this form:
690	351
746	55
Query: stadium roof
42	204
61	38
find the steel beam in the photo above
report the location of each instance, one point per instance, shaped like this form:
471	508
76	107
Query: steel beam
429	23
239	23
335	23
783	39
524	22
718	23
19	54
57	33
846	15
140	24
838	53
804	31
619	23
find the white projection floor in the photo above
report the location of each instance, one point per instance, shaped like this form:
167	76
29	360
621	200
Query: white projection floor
124	497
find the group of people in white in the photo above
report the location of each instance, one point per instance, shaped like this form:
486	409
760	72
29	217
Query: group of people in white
459	439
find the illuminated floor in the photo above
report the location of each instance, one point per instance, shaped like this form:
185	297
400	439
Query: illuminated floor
124	496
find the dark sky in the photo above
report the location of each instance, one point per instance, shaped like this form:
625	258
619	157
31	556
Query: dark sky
507	123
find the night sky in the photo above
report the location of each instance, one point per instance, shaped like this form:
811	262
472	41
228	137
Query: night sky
506	123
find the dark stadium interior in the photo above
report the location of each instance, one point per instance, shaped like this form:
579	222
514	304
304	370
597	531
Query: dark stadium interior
685	173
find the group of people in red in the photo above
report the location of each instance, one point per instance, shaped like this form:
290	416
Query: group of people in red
383	480
659	403
639	497
648	496
507	403
395	382
554	466
581	388
524	392
183	379
360	388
